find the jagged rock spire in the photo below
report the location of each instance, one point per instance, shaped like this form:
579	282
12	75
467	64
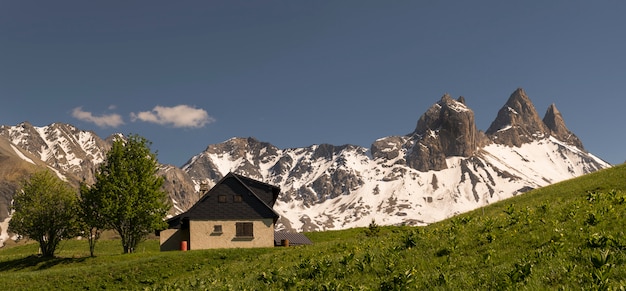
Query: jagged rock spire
446	129
517	122
554	121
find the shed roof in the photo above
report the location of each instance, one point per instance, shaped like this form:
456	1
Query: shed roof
294	238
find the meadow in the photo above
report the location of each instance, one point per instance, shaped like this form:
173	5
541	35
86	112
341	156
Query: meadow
566	236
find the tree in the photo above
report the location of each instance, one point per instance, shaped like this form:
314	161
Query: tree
91	217
45	211
127	195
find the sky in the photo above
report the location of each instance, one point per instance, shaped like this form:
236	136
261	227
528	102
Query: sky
188	74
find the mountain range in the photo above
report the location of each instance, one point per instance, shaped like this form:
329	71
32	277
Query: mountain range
444	167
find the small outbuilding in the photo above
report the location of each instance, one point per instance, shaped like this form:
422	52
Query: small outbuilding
236	213
285	239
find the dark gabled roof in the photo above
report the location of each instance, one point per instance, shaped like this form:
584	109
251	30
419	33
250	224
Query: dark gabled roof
295	239
257	201
268	193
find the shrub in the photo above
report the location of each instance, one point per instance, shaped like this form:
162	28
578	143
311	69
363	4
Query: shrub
373	229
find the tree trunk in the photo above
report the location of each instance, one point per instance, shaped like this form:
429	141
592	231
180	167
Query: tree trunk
47	245
94	235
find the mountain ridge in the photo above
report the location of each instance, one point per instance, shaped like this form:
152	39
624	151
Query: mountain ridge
444	167
457	166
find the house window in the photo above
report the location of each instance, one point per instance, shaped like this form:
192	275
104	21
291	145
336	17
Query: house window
244	229
221	198
238	198
217	228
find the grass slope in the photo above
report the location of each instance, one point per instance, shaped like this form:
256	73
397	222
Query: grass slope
565	236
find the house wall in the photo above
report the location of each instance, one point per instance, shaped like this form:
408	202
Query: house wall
201	235
170	239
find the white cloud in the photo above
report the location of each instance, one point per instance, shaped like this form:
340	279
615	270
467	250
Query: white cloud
105	120
177	116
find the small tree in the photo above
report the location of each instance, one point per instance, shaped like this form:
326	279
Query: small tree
91	216
45	211
127	194
372	229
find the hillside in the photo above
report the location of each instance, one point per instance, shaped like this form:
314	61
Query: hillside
565	236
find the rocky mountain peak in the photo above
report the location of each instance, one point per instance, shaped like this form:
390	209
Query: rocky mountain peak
446	129
555	122
243	155
517	122
438	113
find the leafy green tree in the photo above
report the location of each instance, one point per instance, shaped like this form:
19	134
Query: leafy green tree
127	194
91	216
45	211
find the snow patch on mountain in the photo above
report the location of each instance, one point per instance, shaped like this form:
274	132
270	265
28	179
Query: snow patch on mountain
66	149
21	155
325	187
4	234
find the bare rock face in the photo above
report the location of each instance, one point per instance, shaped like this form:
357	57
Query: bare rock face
517	122
388	148
179	187
446	129
339	179
554	121
338	182
427	154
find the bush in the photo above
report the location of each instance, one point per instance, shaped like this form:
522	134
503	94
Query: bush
373	229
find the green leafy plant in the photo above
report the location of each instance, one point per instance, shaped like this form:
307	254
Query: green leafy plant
602	268
127	196
521	271
45	210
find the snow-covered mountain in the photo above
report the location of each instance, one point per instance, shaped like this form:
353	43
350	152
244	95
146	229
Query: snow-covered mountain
446	166
74	155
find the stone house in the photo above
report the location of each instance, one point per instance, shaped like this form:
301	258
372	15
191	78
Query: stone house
236	213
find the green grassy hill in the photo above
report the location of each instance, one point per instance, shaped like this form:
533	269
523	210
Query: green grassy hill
566	236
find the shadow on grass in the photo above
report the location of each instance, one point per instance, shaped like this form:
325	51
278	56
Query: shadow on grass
37	263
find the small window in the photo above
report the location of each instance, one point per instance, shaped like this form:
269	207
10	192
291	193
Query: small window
238	199
244	229
217	229
221	198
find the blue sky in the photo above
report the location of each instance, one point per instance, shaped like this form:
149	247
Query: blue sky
186	74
